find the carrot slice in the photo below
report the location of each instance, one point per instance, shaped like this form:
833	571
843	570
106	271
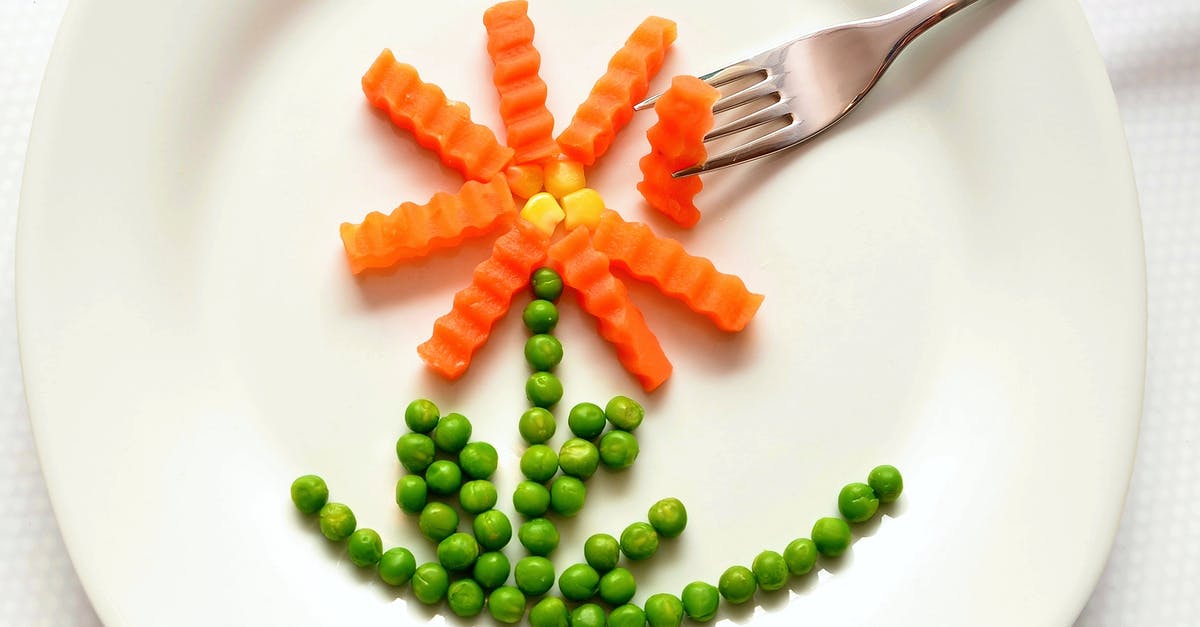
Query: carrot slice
676	142
605	297
438	124
477	307
633	247
609	106
528	124
413	230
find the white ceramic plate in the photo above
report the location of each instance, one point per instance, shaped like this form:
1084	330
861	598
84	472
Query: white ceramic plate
954	284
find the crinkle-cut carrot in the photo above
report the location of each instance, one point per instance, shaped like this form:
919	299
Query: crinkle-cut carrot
438	124
609	106
633	247
676	142
604	296
413	230
528	124
459	333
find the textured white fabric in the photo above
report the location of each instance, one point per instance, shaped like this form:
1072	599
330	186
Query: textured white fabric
1152	49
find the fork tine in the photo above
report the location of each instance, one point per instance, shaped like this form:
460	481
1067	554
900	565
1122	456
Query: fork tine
716	78
762	116
647	103
771	142
731	73
765	87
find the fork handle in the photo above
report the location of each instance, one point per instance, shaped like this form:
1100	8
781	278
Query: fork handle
916	18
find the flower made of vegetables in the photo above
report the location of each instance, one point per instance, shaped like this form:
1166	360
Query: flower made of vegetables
562	222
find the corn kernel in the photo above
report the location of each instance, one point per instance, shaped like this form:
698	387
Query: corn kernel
542	211
564	177
524	180
583	208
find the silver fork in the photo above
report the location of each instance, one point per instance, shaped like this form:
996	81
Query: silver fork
814	80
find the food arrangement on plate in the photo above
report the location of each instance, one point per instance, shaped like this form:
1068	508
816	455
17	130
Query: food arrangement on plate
561	236
562	219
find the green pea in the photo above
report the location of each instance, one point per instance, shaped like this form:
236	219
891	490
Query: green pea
700	601
602	551
543	389
832	536
437	521
543	351
465	598
536	425
800	555
578	458
664	610
578	582
477	496
452	433
411	493
618	449
429	583
770	571
737	584
627	616
337	521
546	283
492	529
639	541
539	536
421	415
886	482
443	477
458	551
567	495
668	517
531	499
540	316
478	460
310	493
624	413
534	575
857	502
539	463
397	566
364	547
586	420
415	451
588	615
491	569
617	586
506	604
550	612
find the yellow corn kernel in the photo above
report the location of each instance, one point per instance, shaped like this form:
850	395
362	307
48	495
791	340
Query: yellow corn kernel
524	180
542	211
583	208
564	177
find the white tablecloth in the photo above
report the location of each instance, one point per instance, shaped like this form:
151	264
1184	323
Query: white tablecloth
1152	49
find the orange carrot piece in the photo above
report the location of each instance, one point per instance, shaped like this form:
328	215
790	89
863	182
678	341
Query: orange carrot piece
633	247
609	106
676	142
528	124
477	307
413	230
604	296
438	124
